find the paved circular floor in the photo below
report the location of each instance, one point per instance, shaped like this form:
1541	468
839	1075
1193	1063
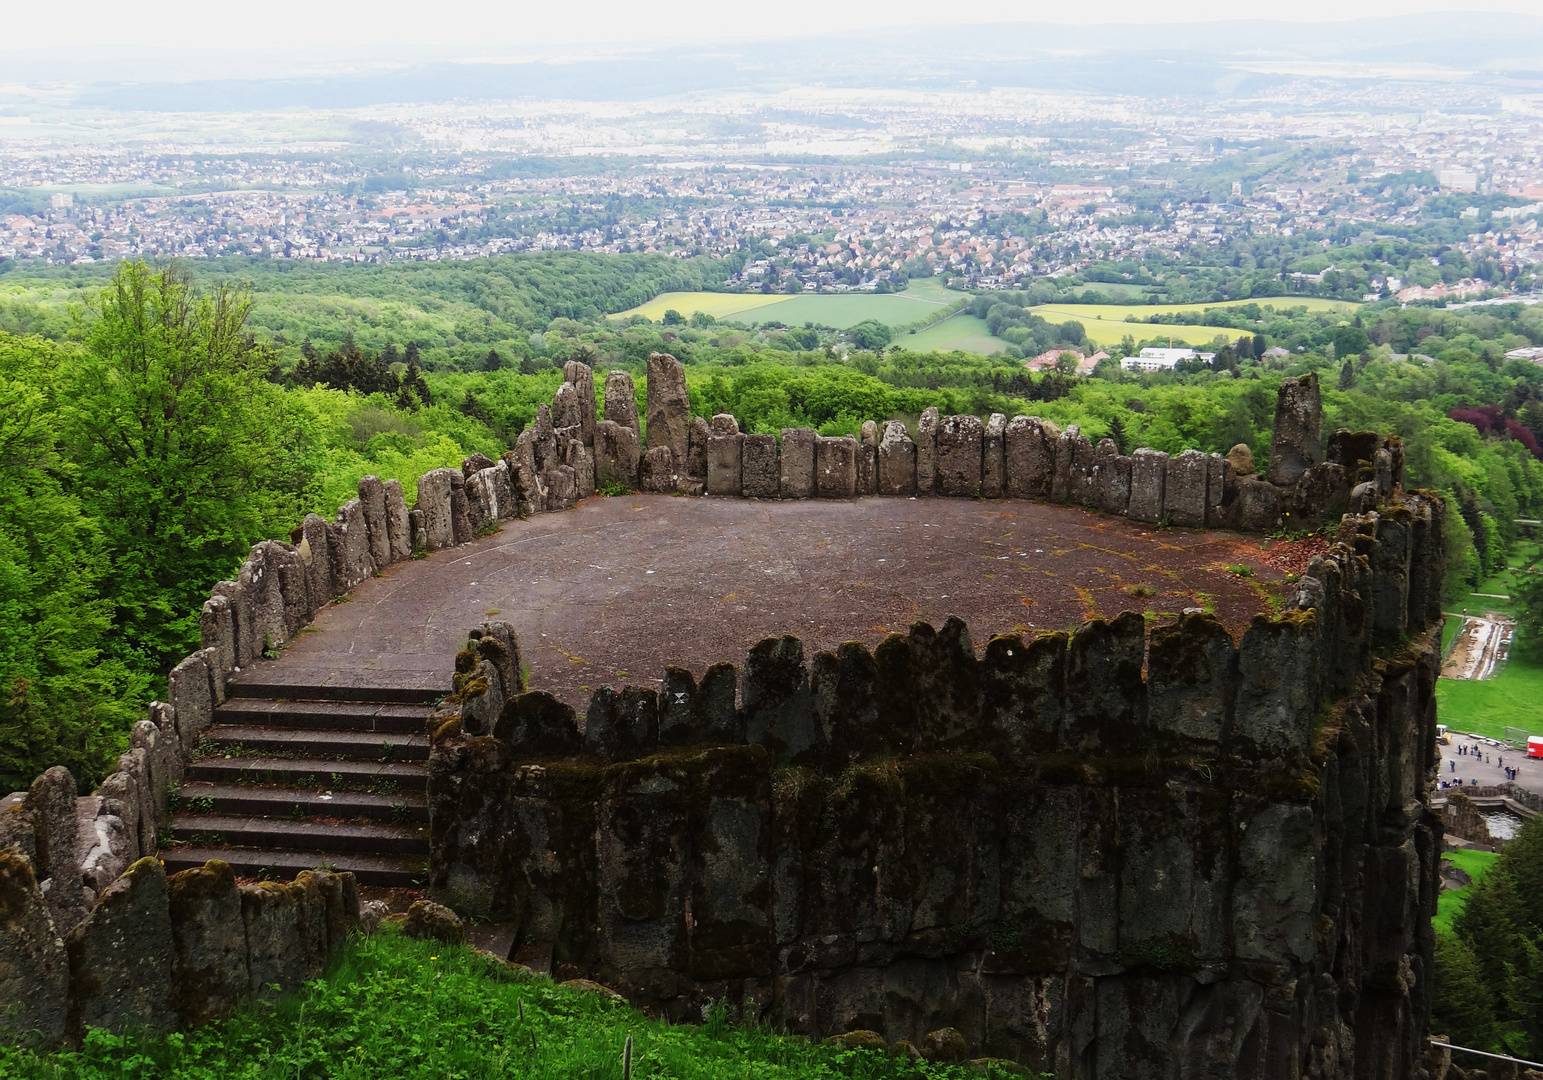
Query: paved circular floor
616	588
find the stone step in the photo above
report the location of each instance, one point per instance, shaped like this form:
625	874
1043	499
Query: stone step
385	746
332	776
259	684
325	715
389	871
279	834
203	797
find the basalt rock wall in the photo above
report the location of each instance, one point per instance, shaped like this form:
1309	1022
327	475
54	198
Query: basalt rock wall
1118	851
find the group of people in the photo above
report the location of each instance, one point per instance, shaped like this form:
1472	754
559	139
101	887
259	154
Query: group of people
1476	751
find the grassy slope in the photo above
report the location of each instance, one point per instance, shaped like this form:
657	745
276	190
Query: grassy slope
1450	902
1487	707
397	1008
963	332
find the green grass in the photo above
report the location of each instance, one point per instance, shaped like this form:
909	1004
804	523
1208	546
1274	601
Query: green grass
921	299
1449	628
393	1008
1473	863
1487	706
964	333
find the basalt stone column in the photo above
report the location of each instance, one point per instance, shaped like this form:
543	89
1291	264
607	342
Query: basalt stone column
668	407
1023	694
730	935
843	690
460	517
835	467
474	463
707	713
775	701
696	457
760	467
724	457
622	726
1106	697
1030	458
50	804
1390	571
581	459
896	461
248	645
1221	506
372	499
217	631
1259	506
398	530
260	584
286	566
1191	676
959	451
621	401
945	679
1082	488
658	472
114	987
1321	495
616	456
868	459
797	463
993	467
1296	440
579	376
352	562
315	548
34	968
1148	485
270	915
927	451
1111	478
644	827
1065	452
1277	690
565	408
209	950
192	702
434	503
1184	494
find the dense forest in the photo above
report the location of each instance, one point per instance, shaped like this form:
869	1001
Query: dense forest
154	426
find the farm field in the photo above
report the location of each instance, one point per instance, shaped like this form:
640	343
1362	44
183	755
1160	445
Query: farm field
1119	312
1108	331
1106	323
963	332
841	310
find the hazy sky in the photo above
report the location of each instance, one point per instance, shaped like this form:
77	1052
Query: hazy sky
501	24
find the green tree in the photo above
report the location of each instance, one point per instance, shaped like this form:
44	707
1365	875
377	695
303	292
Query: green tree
184	454
61	701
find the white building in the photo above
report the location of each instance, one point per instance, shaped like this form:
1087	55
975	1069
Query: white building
1155	359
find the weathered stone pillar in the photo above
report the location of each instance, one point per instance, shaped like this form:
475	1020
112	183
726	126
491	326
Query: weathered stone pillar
1296	442
724	457
668	408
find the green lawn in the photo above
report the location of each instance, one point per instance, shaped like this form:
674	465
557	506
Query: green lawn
965	333
1487	706
393	1008
920	299
1450	902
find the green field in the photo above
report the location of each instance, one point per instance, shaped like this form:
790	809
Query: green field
1486	707
1106	324
421	1010
965	333
1106	331
1473	863
922	299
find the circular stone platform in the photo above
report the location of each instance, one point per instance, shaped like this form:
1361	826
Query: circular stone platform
616	588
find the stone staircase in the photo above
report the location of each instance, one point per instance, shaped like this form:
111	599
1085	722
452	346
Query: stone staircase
293	778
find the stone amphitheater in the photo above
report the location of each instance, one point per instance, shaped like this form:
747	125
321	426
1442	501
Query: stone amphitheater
980	725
